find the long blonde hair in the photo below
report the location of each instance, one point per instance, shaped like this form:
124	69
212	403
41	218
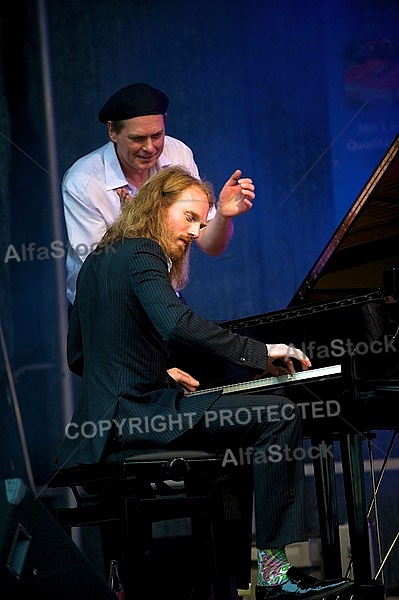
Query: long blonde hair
144	216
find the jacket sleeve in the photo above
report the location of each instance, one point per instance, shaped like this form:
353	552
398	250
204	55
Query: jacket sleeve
175	321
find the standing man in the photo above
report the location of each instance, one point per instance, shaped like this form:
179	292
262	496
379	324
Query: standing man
125	313
96	184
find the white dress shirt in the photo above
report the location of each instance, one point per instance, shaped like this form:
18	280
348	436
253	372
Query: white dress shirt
91	203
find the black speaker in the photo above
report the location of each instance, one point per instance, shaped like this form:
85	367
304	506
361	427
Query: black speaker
38	560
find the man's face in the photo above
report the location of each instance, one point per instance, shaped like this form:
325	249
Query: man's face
186	217
140	143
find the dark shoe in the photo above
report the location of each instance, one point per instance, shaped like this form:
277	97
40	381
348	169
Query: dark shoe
301	586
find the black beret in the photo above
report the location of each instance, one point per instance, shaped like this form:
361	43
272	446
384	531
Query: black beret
135	100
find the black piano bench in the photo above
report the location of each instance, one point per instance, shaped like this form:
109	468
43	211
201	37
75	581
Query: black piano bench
133	490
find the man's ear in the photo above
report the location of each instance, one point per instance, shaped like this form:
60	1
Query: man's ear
111	132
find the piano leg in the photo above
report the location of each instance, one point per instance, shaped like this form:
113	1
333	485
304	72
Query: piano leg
355	495
326	495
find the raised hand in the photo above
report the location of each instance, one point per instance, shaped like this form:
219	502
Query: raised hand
236	196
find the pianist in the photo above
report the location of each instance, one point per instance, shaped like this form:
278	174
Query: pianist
126	310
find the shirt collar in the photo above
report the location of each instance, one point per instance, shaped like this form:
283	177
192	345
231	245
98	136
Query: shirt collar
114	177
169	263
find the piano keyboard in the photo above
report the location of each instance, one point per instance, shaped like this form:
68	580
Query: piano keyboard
267	382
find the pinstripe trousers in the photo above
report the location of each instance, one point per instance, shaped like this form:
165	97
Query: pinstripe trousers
259	435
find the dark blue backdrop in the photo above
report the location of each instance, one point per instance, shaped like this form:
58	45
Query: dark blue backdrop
276	88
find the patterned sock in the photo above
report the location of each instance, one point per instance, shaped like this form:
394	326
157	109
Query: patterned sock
272	566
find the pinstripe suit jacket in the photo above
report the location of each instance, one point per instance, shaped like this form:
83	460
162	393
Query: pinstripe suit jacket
124	315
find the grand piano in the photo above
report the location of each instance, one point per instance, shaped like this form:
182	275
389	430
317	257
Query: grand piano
345	317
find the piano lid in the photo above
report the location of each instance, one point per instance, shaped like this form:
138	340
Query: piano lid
365	243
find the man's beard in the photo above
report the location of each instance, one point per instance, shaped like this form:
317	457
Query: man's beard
178	252
180	257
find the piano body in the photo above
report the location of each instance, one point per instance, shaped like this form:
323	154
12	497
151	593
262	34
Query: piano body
344	316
